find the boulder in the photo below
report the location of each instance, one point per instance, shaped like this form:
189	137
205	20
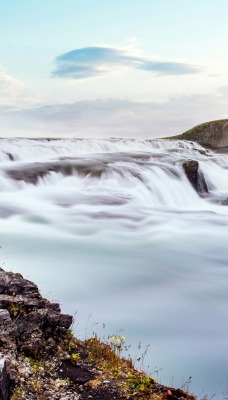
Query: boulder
195	176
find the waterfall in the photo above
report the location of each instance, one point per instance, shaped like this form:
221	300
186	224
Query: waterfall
116	229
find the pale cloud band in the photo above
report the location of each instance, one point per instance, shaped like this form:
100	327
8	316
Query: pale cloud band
89	62
115	117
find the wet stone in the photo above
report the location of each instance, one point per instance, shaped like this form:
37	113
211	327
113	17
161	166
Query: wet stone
4	316
195	176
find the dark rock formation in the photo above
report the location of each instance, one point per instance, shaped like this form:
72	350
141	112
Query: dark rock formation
195	176
31	173
191	169
213	134
93	167
4	385
29	324
75	373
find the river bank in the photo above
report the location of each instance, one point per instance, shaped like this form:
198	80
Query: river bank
41	359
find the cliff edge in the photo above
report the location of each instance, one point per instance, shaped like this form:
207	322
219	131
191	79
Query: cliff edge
212	134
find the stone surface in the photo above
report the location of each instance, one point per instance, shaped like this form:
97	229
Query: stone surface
195	176
14	284
3	379
4	316
213	134
27	320
31	173
76	373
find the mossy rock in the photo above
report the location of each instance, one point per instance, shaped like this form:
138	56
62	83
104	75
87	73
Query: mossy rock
213	134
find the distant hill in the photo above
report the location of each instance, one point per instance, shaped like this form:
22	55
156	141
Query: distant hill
212	134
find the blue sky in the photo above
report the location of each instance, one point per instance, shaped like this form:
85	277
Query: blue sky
103	68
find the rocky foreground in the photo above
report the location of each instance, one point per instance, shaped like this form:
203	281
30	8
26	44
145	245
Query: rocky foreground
40	358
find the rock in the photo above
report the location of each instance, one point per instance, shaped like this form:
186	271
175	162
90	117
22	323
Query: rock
191	169
195	176
28	320
19	303
14	284
34	347
75	373
3	379
31	173
213	134
4	316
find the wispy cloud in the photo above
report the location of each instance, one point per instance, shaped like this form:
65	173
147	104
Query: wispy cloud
89	62
9	86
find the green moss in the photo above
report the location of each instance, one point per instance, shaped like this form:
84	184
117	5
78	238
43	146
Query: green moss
200	127
195	132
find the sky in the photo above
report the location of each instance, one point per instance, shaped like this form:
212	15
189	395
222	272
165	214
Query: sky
103	68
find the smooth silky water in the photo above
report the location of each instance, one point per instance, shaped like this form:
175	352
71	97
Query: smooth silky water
116	234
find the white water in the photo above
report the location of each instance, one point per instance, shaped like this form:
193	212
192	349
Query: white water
116	230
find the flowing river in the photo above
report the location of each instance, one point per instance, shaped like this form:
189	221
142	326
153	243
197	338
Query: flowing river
114	231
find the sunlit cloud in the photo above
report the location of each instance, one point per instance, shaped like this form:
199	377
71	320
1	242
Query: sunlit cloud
89	62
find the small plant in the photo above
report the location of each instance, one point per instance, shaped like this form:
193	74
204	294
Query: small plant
140	382
186	384
36	365
15	309
72	346
74	357
60	382
68	341
107	355
141	358
117	344
19	393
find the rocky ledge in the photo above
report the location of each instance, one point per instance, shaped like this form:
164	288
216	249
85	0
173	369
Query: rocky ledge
40	358
212	135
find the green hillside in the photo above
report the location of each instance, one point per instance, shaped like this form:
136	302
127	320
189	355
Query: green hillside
209	134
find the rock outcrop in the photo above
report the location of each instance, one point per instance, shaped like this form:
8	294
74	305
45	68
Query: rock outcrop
4	384
40	359
29	322
195	176
213	134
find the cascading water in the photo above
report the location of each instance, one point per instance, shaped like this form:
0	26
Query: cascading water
115	229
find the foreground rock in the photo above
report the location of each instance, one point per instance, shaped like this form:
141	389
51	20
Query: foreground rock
213	134
40	358
4	384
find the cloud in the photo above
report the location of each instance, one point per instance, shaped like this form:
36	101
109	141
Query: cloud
223	90
89	62
114	117
9	86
